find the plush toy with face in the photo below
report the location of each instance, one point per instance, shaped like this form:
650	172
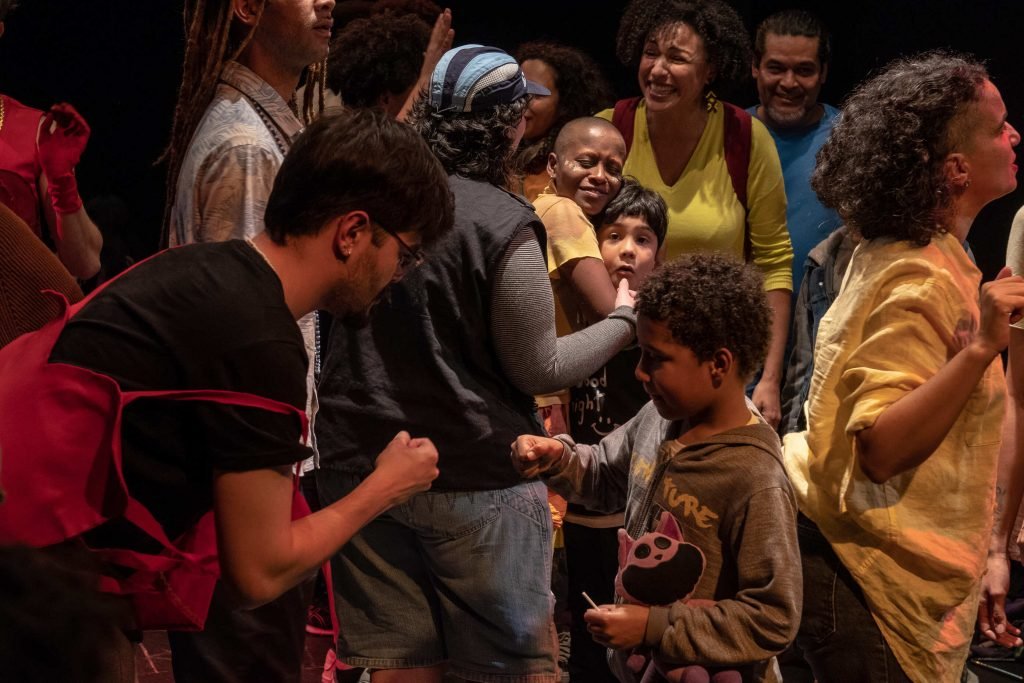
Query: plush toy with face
660	568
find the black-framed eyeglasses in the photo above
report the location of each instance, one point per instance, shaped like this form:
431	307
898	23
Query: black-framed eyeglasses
407	257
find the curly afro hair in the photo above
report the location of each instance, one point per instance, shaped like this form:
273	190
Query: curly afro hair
883	167
726	40
376	56
582	91
710	302
476	145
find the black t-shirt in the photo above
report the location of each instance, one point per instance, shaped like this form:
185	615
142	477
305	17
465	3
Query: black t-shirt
209	316
607	400
611	397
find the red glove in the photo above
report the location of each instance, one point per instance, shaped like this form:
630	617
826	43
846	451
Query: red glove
63	135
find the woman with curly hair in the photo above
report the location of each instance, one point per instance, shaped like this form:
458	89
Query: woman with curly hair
459	350
897	472
717	169
578	88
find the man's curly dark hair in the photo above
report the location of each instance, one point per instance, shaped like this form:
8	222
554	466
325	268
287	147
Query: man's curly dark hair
477	145
883	167
710	302
726	40
378	55
582	91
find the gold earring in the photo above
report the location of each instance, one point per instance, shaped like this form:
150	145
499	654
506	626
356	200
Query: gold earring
710	102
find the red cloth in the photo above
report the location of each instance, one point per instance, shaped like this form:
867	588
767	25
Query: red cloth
19	157
62	471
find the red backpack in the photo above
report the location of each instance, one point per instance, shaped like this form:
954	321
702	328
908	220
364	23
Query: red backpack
60	428
737	136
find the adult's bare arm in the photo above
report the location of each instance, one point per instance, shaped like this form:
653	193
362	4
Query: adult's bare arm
76	237
992	621
911	429
768	392
263	552
441	37
591	286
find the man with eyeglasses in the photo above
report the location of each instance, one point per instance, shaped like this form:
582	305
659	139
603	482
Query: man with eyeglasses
185	379
458	576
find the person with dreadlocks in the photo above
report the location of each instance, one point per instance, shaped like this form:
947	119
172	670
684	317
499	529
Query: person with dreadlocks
234	122
38	154
236	115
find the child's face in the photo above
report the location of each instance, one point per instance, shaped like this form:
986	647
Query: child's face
588	169
678	383
629	248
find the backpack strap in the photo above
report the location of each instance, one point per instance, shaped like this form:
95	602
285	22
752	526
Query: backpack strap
737	141
623	118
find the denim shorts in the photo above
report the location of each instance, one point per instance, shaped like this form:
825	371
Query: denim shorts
456	577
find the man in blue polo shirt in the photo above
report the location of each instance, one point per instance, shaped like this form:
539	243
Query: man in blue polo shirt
791	57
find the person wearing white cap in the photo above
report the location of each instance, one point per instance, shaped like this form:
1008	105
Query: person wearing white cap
458	578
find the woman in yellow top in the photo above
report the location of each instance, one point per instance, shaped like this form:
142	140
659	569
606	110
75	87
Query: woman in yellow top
685	50
897	472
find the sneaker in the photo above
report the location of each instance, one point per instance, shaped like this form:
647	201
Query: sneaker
318	621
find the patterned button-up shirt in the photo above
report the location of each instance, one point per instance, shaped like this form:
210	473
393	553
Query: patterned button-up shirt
229	170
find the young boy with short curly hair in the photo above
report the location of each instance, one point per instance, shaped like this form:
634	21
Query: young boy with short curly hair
699	452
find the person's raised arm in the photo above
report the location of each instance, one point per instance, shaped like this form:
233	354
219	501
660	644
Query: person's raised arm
907	432
591	286
441	37
62	137
264	552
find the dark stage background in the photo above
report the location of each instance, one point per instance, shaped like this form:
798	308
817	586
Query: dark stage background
119	61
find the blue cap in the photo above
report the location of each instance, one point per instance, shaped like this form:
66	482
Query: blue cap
476	77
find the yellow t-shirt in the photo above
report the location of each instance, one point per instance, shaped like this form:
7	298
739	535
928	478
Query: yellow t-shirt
704	213
570	236
916	544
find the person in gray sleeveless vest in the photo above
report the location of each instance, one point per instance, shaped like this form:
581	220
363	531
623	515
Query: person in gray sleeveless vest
458	578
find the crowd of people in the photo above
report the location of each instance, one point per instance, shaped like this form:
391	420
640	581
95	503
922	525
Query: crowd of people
424	313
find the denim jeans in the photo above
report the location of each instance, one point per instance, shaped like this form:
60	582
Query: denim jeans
838	635
462	577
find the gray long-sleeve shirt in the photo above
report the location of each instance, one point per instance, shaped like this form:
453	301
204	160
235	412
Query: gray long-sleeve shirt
523	326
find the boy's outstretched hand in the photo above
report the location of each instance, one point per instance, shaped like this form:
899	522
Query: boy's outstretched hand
534	455
618	626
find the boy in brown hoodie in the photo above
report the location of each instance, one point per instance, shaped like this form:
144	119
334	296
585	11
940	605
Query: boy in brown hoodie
699	452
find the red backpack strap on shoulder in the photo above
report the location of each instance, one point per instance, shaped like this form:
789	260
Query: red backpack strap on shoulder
737	141
623	118
737	148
